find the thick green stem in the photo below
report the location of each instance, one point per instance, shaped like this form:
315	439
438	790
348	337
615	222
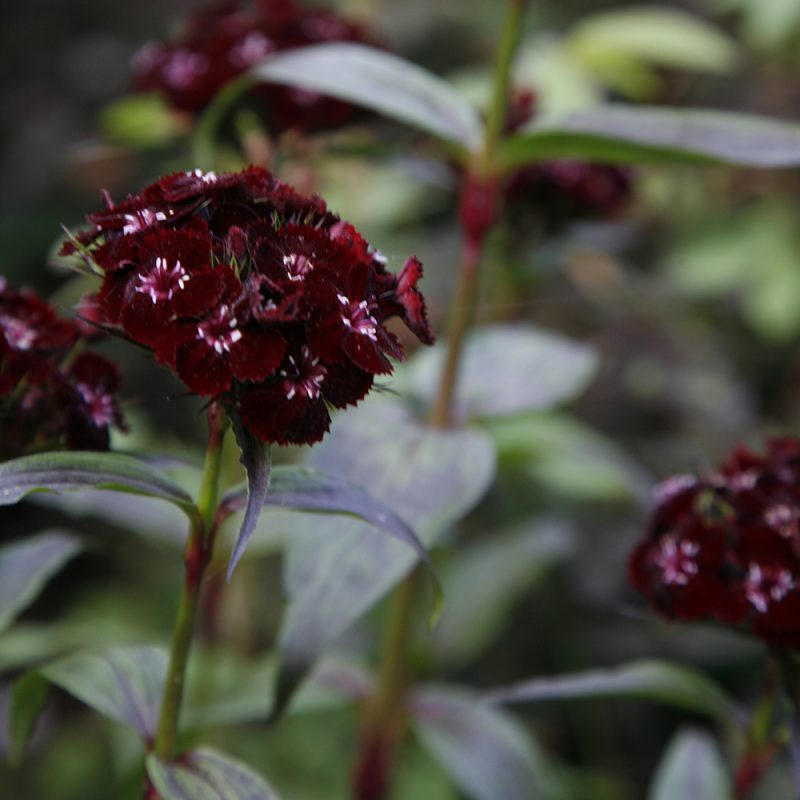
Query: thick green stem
385	714
196	558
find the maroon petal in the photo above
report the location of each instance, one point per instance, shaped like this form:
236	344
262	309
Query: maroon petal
365	353
257	354
273	418
345	386
202	369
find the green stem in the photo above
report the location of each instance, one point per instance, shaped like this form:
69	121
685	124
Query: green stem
385	714
461	312
496	116
196	558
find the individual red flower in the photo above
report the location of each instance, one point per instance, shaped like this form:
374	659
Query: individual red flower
50	397
726	547
226	40
255	296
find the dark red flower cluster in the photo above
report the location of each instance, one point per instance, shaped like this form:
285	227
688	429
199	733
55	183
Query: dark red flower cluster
225	41
727	547
557	192
51	394
254	295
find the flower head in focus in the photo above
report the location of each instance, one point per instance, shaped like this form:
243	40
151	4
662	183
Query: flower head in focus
255	295
726	547
226	40
53	393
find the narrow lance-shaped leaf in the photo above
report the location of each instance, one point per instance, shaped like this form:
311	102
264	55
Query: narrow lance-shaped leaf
28	699
257	462
313	490
381	82
647	679
206	774
27	565
125	683
691	767
72	471
487	753
642	134
335	573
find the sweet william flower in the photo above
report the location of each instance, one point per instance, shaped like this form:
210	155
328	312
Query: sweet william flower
51	395
726	546
255	295
226	40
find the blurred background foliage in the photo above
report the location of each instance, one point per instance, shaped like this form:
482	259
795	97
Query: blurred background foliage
686	302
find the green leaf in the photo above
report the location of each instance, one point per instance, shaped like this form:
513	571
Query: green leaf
142	120
257	463
336	572
206	774
312	490
486	580
654	34
381	82
568	458
484	750
642	134
26	566
124	683
72	471
647	679
507	369
691	767
28	699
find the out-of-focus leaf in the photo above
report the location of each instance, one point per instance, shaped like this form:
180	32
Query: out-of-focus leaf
484	750
26	566
653	34
257	462
768	23
28	699
226	689
568	458
335	572
142	120
691	767
507	369
648	680
313	490
486	579
125	683
206	774
719	261
72	471
381	82
642	134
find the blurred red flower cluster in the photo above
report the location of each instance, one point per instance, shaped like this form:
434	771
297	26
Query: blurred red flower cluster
223	42
52	392
727	547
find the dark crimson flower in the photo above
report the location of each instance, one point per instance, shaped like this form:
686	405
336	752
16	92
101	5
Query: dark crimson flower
726	547
255	296
50	397
558	192
226	40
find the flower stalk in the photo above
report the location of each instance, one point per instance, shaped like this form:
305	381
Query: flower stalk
196	557
478	214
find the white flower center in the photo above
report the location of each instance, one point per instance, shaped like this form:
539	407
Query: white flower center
676	560
163	281
221	331
356	316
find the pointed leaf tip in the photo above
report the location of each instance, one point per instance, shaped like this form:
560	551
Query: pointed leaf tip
257	462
